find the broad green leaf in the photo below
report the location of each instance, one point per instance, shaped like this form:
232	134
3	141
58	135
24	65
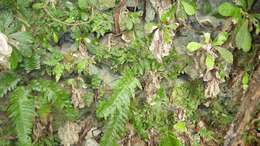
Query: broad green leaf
38	6
243	37
189	8
227	9
221	39
193	46
225	54
149	27
180	127
170	140
210	61
83	4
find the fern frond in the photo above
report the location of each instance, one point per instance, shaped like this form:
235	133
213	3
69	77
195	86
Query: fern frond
32	63
120	98
115	127
51	91
117	109
21	111
8	81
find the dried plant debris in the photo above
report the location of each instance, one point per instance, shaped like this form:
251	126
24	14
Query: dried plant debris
69	133
159	47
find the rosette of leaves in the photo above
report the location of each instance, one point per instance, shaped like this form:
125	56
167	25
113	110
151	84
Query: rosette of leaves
211	50
243	20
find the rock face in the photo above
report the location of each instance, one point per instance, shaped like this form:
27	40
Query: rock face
5	49
69	133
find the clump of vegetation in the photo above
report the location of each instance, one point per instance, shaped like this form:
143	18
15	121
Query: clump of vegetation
125	72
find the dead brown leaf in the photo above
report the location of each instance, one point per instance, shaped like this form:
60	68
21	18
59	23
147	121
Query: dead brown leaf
76	99
151	85
158	46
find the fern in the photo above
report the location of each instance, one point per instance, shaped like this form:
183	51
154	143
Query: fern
8	81
117	108
32	63
115	127
51	94
21	112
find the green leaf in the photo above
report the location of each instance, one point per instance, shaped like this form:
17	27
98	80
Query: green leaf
25	40
170	140
32	63
189	7
58	71
243	37
203	132
227	9
21	112
149	27
180	127
193	46
38	6
22	37
116	108
225	54
120	97
207	37
8	81
83	4
245	80
221	39
115	127
210	61
15	59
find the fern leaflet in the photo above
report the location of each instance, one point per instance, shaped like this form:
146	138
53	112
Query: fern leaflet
120	96
116	109
8	81
21	112
115	127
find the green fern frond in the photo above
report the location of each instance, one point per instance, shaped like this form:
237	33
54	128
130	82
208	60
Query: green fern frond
51	94
123	89
32	63
8	81
51	91
115	127
116	109
21	112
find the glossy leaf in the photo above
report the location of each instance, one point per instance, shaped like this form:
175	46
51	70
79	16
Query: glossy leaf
189	8
227	9
225	54
210	61
243	37
193	46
